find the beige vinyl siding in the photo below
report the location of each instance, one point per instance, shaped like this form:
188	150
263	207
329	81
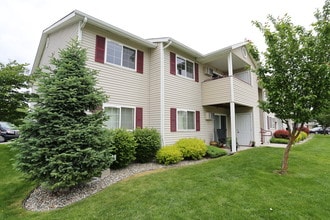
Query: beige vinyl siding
244	93
238	52
125	87
154	84
58	40
182	93
216	91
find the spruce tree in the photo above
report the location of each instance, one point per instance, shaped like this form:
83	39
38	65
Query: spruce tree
62	143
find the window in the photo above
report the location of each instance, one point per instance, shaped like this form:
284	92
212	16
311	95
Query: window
115	53
184	68
120	117
186	120
271	122
120	55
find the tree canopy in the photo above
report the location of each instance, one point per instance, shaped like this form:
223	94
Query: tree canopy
296	70
13	100
62	143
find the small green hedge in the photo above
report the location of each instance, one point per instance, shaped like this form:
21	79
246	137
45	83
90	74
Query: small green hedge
214	152
148	143
192	148
169	155
124	146
279	140
302	136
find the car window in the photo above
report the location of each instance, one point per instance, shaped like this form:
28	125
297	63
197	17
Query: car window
6	126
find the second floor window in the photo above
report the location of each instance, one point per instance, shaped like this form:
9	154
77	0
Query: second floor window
120	55
185	67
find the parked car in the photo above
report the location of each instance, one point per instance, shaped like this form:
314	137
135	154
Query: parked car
319	130
7	131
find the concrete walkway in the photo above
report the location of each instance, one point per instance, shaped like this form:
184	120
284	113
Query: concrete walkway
240	148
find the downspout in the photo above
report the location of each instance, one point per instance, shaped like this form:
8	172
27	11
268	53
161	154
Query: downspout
162	90
81	26
232	104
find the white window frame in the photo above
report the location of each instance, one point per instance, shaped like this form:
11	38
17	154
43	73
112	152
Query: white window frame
120	115
122	54
185	71
186	123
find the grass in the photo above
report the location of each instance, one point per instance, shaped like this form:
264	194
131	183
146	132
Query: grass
241	186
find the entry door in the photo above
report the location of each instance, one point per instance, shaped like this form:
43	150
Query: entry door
244	128
220	122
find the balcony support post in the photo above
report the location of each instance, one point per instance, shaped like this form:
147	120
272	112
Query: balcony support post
232	104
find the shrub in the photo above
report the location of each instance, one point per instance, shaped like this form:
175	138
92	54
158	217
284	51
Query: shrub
302	136
281	134
124	146
305	129
279	140
214	152
148	143
169	155
192	148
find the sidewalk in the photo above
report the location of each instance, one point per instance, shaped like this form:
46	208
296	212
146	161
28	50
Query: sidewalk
240	148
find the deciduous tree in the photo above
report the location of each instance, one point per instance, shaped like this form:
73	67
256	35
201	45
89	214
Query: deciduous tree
296	71
13	99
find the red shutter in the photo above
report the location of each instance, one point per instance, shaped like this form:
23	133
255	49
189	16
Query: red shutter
173	119
172	63
139	117
139	65
99	49
196	73
198	121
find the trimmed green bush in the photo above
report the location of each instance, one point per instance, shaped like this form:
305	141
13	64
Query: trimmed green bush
124	145
302	136
279	140
214	152
169	155
192	148
148	143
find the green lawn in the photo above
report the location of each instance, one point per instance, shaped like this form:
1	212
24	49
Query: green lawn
241	186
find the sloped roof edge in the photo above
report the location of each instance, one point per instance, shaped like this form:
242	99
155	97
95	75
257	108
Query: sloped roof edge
76	16
177	44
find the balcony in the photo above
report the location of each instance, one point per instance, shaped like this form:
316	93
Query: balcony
218	91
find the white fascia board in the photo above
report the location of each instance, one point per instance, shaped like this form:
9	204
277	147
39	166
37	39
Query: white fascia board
178	45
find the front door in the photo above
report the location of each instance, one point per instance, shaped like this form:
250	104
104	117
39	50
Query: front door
244	128
220	122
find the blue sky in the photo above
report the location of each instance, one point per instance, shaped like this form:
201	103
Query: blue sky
205	26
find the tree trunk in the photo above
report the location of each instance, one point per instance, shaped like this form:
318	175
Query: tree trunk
293	134
285	161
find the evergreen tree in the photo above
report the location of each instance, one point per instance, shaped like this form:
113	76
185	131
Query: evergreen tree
62	143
